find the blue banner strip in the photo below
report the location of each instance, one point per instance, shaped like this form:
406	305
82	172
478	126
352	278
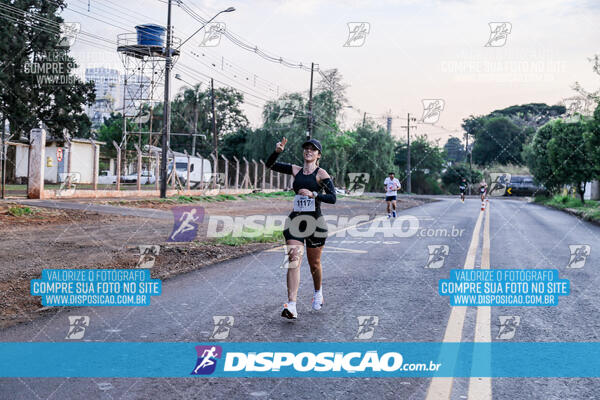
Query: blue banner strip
297	359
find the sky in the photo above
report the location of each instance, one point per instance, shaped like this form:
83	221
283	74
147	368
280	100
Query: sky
412	51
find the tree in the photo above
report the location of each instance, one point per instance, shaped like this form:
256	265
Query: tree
371	151
426	161
234	144
455	151
282	117
112	130
592	138
38	84
453	175
504	144
568	156
536	157
499	140
229	117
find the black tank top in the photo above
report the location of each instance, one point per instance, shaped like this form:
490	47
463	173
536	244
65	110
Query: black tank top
309	182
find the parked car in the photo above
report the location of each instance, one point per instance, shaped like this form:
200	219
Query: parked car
106	178
523	185
146	178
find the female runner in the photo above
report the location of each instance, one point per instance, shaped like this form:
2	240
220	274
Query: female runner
305	222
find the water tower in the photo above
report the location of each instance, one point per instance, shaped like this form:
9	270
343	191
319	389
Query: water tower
143	55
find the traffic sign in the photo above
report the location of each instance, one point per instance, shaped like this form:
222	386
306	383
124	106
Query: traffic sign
59	154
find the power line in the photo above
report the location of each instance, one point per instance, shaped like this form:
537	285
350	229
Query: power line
240	42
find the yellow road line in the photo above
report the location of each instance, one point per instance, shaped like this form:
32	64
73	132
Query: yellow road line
441	387
480	388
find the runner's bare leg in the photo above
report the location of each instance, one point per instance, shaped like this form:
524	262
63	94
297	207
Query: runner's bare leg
295	253
314	260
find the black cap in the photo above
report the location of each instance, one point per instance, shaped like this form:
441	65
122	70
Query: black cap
315	143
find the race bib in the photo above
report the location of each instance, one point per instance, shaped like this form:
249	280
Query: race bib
303	203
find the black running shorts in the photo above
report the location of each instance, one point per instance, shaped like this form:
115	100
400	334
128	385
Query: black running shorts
308	227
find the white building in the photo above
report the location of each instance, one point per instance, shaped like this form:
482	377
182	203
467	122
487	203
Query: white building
107	93
56	160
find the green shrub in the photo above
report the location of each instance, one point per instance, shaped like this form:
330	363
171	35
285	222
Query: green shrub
19	211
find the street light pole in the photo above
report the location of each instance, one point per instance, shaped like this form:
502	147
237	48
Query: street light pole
167	106
166	111
230	9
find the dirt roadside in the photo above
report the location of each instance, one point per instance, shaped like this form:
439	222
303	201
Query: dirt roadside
44	238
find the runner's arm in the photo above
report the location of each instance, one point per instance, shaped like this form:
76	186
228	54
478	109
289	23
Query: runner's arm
329	195
284	168
327	184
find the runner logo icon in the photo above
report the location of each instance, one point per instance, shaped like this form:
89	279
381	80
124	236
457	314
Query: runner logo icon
432	109
358	183
357	34
77	325
508	326
579	253
207	359
366	326
499	32
499	183
437	255
223	324
185	223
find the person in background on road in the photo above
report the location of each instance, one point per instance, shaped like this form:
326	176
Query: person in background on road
463	189
483	190
310	182
392	185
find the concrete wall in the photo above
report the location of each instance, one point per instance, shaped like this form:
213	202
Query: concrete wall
21	155
51	173
82	162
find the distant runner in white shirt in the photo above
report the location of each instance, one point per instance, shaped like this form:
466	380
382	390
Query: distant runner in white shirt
392	185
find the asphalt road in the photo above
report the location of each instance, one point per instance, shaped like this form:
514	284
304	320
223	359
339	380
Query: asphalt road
379	276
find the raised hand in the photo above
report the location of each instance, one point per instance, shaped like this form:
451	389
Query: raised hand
280	145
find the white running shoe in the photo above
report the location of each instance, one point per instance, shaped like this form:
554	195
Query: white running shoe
289	311
317	302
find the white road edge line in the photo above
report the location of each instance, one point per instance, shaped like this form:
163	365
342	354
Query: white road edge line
441	387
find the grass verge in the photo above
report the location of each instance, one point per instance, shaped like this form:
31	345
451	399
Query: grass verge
251	236
181	199
589	211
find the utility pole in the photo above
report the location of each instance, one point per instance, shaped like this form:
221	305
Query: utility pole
408	167
309	124
124	140
364	119
167	111
3	152
195	127
214	118
470	162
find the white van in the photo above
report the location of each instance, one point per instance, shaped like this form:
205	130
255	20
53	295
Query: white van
196	169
